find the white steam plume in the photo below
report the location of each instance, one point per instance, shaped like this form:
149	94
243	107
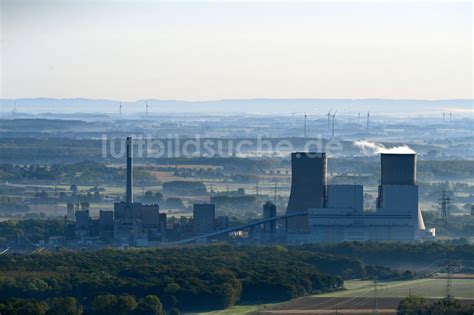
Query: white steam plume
372	148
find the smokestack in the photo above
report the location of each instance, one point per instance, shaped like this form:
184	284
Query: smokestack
129	193
398	169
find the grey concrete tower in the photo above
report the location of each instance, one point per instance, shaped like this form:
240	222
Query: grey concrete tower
129	192
308	186
398	169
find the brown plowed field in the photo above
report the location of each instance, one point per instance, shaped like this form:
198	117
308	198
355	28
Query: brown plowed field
339	305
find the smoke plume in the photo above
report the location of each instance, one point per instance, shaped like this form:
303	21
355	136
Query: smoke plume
372	148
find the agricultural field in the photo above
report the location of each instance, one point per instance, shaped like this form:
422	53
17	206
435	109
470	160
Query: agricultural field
360	296
428	288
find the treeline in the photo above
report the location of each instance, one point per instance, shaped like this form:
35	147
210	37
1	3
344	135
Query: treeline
419	306
29	232
12	204
187	188
100	305
189	278
447	169
81	173
397	254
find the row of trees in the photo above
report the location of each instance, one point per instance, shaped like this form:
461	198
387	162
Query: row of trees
32	230
398	254
101	305
83	173
415	305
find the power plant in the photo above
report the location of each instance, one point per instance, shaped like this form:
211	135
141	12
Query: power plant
316	211
336	212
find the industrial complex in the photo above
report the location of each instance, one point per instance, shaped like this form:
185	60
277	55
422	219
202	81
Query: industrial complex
335	212
316	212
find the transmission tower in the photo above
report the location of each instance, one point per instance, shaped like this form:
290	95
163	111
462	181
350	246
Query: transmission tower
36	199
448	277
275	191
444	203
376	302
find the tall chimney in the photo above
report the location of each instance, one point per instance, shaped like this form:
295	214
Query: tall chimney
129	193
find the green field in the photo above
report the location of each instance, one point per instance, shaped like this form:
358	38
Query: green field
428	288
237	309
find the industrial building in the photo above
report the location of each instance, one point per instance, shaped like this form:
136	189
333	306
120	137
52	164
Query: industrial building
204	217
269	229
135	223
340	215
308	184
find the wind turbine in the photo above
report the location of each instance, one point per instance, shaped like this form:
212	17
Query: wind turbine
329	119
368	120
120	110
146	109
333	118
450	115
305	116
358	118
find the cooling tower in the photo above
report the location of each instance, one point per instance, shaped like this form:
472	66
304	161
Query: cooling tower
129	190
308	182
398	169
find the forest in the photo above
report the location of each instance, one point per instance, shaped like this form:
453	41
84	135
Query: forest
188	278
204	277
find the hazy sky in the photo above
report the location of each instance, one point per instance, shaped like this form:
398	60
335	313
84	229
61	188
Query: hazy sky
213	50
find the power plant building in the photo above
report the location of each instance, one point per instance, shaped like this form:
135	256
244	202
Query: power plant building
269	211
133	222
308	184
342	217
204	216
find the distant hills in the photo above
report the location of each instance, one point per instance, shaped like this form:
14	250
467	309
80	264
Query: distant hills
233	106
